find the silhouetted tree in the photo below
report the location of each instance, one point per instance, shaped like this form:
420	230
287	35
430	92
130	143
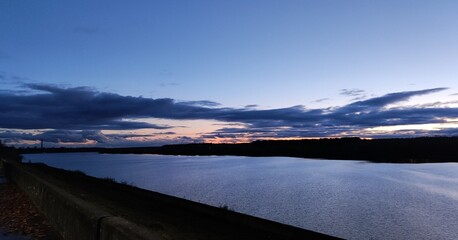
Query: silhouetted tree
10	153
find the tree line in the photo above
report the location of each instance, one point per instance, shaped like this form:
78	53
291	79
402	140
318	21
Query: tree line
394	150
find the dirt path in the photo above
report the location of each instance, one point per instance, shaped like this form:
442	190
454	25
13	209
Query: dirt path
18	216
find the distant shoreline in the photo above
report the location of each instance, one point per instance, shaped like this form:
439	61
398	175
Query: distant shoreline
394	150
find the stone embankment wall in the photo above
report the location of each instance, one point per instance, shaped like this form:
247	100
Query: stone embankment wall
74	218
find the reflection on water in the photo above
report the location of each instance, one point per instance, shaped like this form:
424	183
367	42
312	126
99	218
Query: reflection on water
437	184
349	199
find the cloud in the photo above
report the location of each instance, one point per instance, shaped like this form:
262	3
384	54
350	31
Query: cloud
351	92
85	137
56	136
355	93
376	103
321	100
79	114
166	73
66	136
13	79
251	106
436	104
17	78
166	84
346	120
79	108
202	103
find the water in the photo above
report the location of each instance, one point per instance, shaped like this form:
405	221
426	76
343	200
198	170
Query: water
349	199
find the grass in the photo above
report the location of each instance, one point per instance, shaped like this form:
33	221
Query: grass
110	179
80	172
226	207
127	183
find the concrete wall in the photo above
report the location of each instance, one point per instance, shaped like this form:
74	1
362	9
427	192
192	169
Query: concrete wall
72	217
117	228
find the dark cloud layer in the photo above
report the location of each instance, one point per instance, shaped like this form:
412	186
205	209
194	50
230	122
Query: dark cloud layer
79	114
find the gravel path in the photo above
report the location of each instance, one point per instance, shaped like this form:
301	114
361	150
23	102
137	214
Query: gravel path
19	219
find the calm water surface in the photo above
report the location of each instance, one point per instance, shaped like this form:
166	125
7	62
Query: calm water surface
349	199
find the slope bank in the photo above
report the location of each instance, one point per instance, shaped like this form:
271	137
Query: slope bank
99	207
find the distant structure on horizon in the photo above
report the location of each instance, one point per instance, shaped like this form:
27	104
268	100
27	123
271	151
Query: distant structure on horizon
41	143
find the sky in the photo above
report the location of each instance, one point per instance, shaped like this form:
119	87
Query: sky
145	73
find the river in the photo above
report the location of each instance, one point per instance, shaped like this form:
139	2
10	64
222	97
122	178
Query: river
348	199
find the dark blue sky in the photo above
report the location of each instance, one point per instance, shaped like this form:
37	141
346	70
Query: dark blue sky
154	72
